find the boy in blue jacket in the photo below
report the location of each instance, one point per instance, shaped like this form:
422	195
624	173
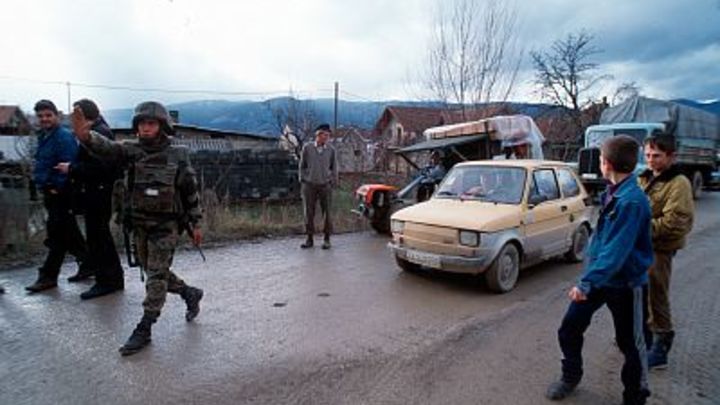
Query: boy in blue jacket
615	275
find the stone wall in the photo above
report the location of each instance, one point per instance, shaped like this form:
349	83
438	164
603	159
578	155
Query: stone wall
248	174
16	209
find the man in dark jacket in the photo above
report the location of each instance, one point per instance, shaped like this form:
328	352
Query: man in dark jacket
615	275
55	145
93	180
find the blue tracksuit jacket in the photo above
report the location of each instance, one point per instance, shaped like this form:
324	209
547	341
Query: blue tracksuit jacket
620	251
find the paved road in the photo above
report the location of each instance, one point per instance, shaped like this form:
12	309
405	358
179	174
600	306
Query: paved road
280	325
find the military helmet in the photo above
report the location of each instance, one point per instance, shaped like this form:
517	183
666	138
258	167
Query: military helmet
153	110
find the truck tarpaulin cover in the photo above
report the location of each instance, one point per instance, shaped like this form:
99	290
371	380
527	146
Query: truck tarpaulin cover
678	118
510	129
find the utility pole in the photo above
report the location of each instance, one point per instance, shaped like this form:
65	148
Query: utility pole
68	98
337	90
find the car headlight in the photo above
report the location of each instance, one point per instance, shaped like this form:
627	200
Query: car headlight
397	226
469	238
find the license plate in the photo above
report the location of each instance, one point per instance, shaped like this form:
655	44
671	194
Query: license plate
424	259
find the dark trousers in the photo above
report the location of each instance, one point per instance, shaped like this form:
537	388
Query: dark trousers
62	234
628	307
312	194
102	255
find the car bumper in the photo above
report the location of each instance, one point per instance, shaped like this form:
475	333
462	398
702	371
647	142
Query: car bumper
449	263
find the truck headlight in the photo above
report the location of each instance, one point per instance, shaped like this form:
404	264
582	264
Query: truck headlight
397	226
469	238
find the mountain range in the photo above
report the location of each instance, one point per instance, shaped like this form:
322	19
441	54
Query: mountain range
261	117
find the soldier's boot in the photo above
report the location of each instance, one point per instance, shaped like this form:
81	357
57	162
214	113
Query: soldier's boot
139	338
308	242
657	357
192	297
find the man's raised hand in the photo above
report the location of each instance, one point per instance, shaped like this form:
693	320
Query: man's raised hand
81	125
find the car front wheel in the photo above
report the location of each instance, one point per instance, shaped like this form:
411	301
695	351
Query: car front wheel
503	273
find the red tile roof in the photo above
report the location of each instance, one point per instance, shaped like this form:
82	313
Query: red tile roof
7	112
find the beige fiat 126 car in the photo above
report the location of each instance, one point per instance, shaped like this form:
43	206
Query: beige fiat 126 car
495	217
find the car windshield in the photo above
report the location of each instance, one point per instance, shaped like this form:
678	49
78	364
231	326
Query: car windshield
498	184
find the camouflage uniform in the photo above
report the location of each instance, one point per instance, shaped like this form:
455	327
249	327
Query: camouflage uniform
162	193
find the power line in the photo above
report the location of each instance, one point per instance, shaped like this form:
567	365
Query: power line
357	96
166	90
147	89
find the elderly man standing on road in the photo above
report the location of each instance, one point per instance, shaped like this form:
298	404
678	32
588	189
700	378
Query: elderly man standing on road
318	172
671	200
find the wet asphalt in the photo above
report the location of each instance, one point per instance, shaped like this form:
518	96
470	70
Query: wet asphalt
283	325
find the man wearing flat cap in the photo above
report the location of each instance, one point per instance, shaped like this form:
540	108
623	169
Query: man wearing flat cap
318	171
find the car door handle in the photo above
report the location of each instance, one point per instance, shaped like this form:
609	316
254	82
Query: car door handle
563	208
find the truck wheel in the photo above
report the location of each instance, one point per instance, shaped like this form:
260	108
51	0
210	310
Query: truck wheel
580	239
503	272
697	184
405	265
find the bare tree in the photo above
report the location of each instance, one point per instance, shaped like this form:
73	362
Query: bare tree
473	56
565	73
294	119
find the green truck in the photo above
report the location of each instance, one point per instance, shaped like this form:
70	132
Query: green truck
697	133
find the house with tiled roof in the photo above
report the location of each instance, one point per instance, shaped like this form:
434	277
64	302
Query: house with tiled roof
13	121
355	151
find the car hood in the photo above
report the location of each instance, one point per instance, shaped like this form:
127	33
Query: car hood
467	214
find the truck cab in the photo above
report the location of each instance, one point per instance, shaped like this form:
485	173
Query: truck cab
690	155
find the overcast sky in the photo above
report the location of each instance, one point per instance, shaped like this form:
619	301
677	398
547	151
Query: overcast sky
373	48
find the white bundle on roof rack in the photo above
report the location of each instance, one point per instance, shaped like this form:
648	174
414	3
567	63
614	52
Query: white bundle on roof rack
511	130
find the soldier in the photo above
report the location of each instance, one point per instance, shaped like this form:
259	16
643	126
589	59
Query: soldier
56	145
163	202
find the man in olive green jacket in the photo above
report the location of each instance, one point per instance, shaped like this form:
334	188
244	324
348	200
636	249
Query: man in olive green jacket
671	201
